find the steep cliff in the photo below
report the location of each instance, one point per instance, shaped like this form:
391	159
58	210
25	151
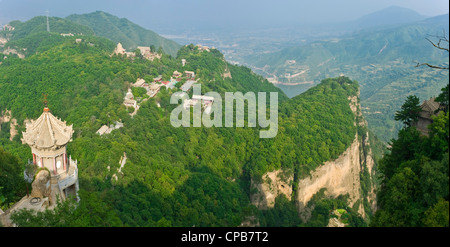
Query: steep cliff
338	177
272	185
352	174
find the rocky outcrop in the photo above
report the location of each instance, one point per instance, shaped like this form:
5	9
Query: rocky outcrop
227	73
338	177
336	220
273	184
343	175
41	185
3	41
369	162
9	51
5	117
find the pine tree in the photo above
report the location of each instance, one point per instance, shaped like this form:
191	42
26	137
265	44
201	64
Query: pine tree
409	112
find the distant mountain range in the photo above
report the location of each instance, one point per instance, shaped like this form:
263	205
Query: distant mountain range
381	58
387	17
393	15
122	30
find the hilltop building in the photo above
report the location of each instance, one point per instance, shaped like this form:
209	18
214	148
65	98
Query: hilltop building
189	74
139	83
129	100
203	48
48	138
429	108
187	85
120	50
8	27
153	89
144	50
106	130
176	74
57	173
205	101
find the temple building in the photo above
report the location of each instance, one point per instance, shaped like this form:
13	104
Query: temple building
429	108
129	100
56	177
119	49
48	137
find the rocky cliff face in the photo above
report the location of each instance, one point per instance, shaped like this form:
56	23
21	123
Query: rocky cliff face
5	117
272	185
339	177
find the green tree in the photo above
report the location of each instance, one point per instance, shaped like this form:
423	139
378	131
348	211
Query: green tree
439	135
434	181
137	53
139	92
398	201
409	112
11	179
91	211
438	215
443	98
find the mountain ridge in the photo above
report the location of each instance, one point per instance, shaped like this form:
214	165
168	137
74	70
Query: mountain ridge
124	31
392	15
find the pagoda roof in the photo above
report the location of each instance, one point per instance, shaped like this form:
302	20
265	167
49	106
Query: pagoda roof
47	132
429	107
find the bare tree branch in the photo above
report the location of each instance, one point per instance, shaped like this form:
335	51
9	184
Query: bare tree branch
431	66
438	44
440	47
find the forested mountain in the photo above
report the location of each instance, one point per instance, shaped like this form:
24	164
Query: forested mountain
381	59
39	24
122	30
30	37
172	176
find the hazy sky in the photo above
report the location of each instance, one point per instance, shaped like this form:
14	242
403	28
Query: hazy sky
162	14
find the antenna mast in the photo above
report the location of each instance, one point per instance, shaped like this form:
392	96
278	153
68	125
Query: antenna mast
48	26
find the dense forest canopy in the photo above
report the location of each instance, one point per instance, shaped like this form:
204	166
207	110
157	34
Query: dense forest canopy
173	176
416	178
39	24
